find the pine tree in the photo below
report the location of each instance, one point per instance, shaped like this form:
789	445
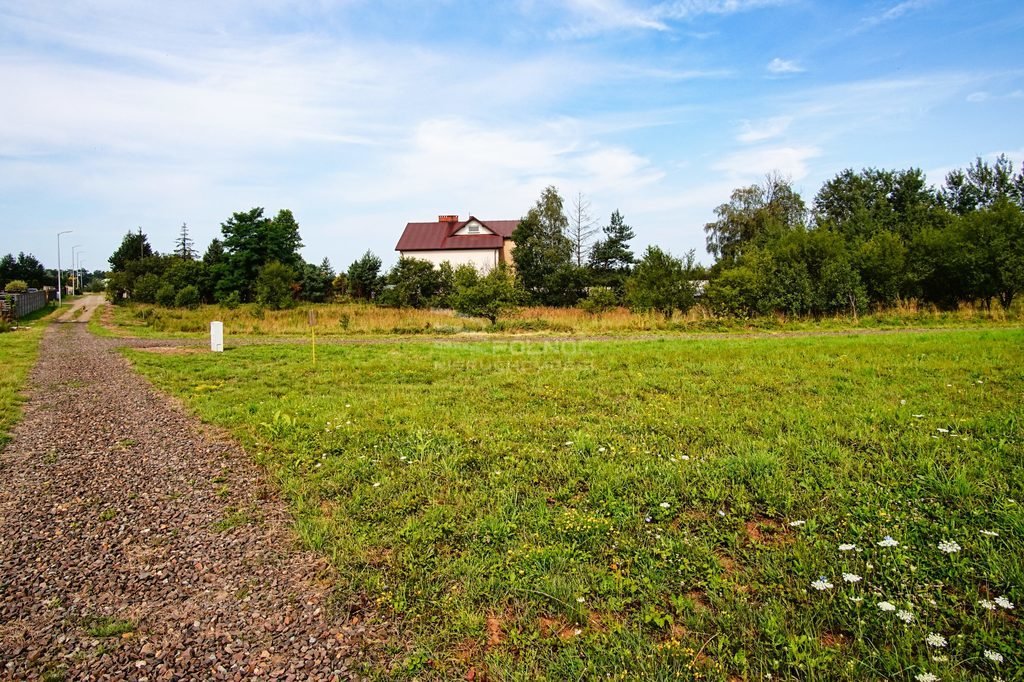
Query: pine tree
183	248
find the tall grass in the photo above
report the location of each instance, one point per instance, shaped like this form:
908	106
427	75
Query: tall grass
354	319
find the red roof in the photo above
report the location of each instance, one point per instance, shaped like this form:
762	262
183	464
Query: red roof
438	236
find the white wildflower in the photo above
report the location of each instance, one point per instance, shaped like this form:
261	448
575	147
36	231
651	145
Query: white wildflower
942	430
685	458
797	524
600	449
376	485
993	656
851	577
847	548
887	541
721	512
822	584
580	600
987	604
886	606
1004	602
926	677
856	600
989	533
949	546
940	659
935	639
905	616
664	505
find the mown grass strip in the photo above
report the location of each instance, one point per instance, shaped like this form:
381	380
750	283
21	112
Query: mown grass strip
19	350
653	509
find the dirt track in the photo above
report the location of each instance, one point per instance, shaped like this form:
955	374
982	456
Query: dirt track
120	512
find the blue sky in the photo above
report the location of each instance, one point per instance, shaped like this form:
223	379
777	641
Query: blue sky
361	116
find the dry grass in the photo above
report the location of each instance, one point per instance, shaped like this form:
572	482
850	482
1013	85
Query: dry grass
355	319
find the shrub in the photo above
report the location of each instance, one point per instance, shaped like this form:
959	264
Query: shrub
274	286
16	286
599	300
660	283
188	297
165	295
145	288
487	296
231	300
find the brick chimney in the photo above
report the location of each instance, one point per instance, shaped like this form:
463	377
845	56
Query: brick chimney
450	219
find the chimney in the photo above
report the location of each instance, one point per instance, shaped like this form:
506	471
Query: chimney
450	219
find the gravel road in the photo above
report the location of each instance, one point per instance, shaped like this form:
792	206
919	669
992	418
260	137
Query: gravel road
137	544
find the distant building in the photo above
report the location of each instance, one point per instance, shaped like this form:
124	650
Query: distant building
482	244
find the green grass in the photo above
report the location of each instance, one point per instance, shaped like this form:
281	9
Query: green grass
18	352
633	510
102	627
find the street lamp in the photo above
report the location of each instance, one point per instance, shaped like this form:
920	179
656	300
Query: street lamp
81	267
74	266
59	297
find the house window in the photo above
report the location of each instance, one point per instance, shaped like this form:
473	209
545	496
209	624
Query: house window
473	229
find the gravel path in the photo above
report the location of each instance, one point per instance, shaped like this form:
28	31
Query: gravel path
137	544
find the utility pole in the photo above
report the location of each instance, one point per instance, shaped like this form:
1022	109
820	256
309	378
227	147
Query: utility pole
59	297
74	267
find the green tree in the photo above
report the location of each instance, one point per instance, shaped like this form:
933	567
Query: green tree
25	268
165	295
994	253
187	297
252	241
145	288
274	286
754	214
489	295
134	247
660	282
16	286
859	205
611	257
316	281
982	185
411	283
364	279
543	253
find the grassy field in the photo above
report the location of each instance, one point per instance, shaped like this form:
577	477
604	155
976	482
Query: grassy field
18	352
360	320
817	508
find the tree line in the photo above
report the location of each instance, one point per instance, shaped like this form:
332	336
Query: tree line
867	240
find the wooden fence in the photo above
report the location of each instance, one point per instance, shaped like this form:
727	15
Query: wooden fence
14	306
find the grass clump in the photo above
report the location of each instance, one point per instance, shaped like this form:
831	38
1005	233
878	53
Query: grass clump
654	509
103	627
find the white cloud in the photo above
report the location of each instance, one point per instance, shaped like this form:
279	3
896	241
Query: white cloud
783	66
591	17
895	12
758	131
754	163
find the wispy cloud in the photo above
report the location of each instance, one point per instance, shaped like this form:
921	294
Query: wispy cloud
895	12
591	17
766	129
779	66
754	163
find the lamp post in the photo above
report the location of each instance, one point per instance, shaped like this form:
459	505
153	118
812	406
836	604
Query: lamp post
74	267
81	268
60	298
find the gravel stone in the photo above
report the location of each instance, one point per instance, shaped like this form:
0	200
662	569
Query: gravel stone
108	507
